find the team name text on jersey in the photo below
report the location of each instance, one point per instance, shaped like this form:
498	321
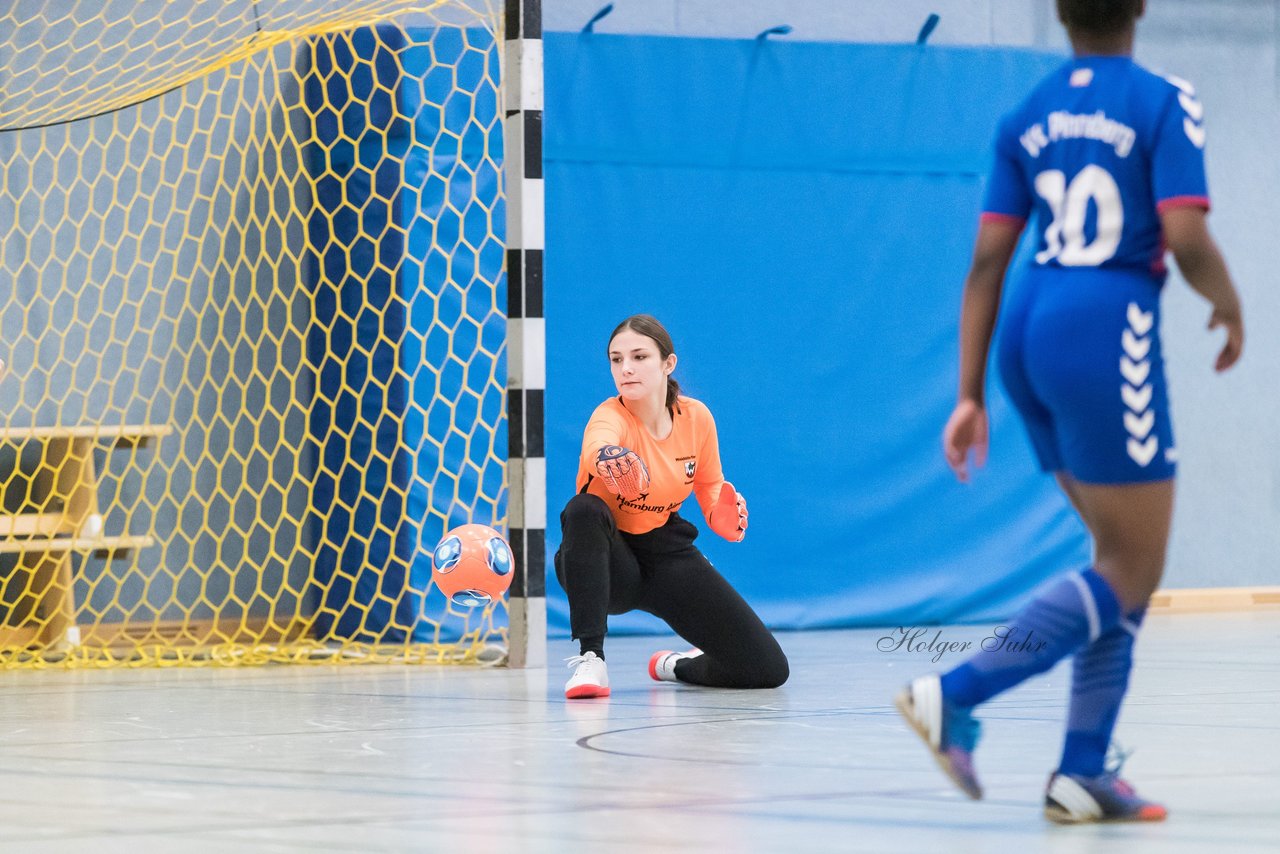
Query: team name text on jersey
1064	125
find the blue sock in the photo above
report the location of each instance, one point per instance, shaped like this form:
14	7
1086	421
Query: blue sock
1067	615
1099	679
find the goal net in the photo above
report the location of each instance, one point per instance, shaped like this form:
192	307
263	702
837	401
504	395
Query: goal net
252	306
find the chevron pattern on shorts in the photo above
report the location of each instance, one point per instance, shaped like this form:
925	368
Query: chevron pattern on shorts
1136	390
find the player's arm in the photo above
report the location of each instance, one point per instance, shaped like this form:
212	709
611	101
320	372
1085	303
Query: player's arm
1182	199
619	468
1187	235
997	240
966	429
724	508
1006	208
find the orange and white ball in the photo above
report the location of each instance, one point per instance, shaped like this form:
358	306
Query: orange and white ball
472	565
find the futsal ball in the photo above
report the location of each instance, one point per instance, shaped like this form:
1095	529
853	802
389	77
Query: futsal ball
472	565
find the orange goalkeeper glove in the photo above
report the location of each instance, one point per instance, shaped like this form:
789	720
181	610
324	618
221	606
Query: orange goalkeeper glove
622	471
729	515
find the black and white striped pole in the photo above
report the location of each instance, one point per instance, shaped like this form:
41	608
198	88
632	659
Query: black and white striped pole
526	330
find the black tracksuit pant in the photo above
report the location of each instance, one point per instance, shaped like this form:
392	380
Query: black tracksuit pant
606	571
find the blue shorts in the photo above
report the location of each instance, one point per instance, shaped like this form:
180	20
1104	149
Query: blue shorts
1079	354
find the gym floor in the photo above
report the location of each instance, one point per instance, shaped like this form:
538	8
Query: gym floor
426	758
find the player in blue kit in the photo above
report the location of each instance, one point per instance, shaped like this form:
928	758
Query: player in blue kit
1105	160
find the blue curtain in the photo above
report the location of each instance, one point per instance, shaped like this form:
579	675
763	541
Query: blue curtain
800	216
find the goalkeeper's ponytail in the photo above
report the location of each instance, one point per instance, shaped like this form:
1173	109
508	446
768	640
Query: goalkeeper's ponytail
673	391
649	326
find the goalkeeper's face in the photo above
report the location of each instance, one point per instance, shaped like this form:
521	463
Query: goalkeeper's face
639	371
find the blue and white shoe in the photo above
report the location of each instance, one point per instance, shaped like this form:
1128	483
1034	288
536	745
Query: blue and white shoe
950	733
1074	799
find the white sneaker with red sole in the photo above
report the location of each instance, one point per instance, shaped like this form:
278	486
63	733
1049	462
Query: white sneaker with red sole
662	664
590	677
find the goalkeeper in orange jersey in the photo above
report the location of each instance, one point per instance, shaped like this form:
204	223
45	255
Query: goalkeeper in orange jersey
625	546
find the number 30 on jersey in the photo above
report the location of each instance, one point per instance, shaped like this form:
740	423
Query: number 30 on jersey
1064	239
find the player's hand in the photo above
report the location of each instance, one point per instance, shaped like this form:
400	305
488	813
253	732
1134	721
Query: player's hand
966	432
1231	320
622	471
729	515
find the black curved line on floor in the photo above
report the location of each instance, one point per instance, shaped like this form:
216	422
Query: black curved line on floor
585	741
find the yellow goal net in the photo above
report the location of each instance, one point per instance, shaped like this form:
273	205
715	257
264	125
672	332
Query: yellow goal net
252	310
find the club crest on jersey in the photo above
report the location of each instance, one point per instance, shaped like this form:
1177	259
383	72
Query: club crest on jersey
690	467
1081	77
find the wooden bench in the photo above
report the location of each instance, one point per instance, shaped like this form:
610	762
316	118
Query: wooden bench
59	517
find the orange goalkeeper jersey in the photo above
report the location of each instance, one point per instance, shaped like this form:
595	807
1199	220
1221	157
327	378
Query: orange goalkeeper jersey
688	460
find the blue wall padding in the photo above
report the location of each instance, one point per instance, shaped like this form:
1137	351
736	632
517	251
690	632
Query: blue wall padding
403	183
801	217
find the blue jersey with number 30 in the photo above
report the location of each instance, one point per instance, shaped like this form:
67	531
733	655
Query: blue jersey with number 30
1096	152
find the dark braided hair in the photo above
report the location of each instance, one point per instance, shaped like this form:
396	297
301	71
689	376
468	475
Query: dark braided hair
1099	17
